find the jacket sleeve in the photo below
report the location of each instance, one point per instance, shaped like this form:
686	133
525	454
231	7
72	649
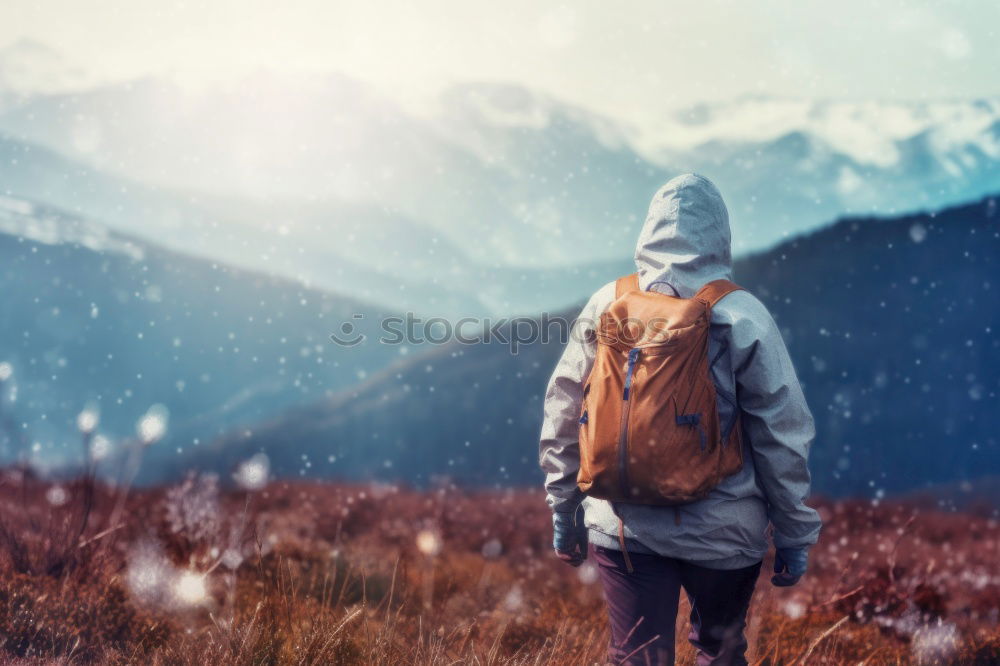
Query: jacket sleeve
777	423
559	446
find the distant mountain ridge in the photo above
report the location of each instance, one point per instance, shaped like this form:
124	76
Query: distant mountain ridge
891	324
511	177
379	255
867	131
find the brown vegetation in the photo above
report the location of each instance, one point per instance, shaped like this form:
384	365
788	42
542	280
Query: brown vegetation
304	573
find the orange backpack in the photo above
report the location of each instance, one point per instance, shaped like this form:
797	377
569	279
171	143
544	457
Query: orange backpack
649	427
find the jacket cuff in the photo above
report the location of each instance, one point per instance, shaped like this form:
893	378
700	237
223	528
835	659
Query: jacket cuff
565	504
803	541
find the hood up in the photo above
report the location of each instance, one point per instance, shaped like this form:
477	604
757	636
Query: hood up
685	241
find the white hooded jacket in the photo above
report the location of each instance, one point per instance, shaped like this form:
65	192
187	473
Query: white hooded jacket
685	243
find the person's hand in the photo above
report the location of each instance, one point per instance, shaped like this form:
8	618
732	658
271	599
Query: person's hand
789	566
569	538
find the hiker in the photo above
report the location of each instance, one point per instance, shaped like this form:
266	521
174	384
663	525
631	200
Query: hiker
669	446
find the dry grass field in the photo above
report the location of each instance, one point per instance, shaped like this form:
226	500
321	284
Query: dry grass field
307	573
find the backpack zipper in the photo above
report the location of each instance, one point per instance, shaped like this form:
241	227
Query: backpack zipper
633	357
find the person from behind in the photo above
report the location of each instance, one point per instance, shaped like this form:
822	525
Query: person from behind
675	433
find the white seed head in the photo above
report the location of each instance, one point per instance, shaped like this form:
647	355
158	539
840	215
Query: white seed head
100	447
148	572
232	559
252	474
56	496
153	425
429	543
189	588
87	420
935	643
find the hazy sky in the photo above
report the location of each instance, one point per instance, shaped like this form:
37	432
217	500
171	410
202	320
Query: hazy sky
629	59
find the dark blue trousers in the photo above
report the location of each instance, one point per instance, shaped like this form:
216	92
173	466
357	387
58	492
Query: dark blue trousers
642	608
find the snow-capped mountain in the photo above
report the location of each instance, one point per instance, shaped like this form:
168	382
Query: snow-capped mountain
784	166
787	165
497	201
868	132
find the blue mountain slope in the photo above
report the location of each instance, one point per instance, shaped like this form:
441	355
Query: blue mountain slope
88	315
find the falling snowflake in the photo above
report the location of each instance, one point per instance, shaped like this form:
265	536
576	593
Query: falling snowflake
794	609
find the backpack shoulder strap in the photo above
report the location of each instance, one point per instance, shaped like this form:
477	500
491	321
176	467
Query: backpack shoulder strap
712	292
626	284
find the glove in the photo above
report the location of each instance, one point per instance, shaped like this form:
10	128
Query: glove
569	537
789	566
